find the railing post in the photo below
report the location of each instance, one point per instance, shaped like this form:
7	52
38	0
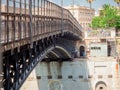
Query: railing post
1	49
16	78
62	17
31	34
0	22
7	26
14	5
30	13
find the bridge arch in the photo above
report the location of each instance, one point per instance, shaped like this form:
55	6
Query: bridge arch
52	54
63	51
32	36
100	85
82	51
58	53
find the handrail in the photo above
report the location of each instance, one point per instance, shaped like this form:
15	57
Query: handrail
16	20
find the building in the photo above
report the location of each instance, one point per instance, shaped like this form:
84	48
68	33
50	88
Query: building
107	36
83	14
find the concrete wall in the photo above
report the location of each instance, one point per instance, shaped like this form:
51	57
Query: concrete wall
76	75
98	49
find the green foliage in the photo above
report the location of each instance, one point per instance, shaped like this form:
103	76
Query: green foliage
108	18
117	22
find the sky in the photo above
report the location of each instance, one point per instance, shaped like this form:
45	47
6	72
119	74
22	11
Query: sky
96	3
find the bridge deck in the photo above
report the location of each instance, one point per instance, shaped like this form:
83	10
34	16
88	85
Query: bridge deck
29	29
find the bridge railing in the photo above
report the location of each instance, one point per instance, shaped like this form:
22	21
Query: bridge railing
22	19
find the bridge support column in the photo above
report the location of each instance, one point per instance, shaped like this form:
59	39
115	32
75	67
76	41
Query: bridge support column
7	72
1	67
24	63
30	57
35	49
16	78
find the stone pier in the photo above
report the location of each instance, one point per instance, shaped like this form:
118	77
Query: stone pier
79	74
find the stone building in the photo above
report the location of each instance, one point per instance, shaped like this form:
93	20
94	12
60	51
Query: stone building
83	14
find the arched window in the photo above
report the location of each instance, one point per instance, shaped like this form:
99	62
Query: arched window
55	85
101	86
82	51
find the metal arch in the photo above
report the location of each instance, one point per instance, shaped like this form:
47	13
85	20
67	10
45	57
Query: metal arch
24	23
61	49
64	51
52	56
55	54
32	66
23	76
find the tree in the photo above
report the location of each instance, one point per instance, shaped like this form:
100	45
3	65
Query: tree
118	3
117	22
109	17
90	2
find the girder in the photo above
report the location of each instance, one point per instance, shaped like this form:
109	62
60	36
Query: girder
52	55
29	30
19	63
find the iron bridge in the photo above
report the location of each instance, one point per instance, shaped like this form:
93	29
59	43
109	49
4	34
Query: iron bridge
32	31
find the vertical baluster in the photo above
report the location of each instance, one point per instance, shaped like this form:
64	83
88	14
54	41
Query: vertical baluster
30	14
20	20
31	31
34	22
14	28
44	17
1	50
0	25
25	28
38	31
7	21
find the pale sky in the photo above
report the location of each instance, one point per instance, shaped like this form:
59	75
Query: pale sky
96	4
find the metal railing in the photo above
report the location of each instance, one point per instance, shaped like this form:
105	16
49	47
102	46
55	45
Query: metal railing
25	26
26	19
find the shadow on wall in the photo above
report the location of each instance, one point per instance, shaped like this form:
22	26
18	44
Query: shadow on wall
65	75
82	51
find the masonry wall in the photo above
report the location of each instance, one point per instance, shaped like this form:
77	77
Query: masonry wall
74	75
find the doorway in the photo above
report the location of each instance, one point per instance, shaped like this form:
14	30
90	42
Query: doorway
55	85
101	86
109	50
82	51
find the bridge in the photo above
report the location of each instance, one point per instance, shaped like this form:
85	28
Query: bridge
32	31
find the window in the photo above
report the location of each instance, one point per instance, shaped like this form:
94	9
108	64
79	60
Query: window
95	48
